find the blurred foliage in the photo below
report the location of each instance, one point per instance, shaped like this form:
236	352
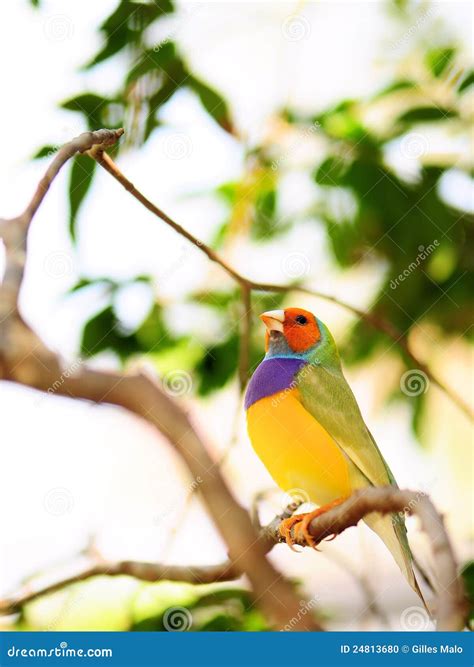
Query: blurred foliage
154	73
371	209
122	603
467	574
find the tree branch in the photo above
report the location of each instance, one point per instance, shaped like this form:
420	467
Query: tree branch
144	571
385	327
246	331
26	360
451	603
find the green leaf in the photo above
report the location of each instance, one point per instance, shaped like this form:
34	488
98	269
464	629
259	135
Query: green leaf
218	365
101	333
90	105
466	82
344	238
265	223
155	102
161	58
152	334
89	282
45	151
438	60
330	171
126	25
397	86
467	574
221	622
82	173
214	103
426	114
227	192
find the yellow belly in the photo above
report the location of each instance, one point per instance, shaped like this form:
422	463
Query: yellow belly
296	450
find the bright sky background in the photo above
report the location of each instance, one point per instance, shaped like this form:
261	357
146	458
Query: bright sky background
101	465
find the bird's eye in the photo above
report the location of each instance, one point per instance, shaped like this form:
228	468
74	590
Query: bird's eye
301	319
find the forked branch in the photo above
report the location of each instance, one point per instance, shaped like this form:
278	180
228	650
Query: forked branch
26	360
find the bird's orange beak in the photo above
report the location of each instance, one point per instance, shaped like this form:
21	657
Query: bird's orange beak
273	320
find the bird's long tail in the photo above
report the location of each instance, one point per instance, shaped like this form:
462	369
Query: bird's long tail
391	530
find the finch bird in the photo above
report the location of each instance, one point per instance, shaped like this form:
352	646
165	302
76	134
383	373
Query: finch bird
305	425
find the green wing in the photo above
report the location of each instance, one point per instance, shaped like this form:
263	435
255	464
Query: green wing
325	393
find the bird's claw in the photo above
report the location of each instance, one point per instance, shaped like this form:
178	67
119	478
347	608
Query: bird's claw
299	524
286	527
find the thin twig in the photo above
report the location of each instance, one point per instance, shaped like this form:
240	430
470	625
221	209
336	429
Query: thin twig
143	571
245	336
26	360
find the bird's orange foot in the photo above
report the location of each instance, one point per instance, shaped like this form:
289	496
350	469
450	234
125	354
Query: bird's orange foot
300	523
285	529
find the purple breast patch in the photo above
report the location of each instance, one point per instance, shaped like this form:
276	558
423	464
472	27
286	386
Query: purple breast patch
273	375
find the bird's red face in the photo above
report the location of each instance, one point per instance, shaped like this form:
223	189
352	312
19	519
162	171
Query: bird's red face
298	326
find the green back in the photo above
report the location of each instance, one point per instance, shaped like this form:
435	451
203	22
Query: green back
325	393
